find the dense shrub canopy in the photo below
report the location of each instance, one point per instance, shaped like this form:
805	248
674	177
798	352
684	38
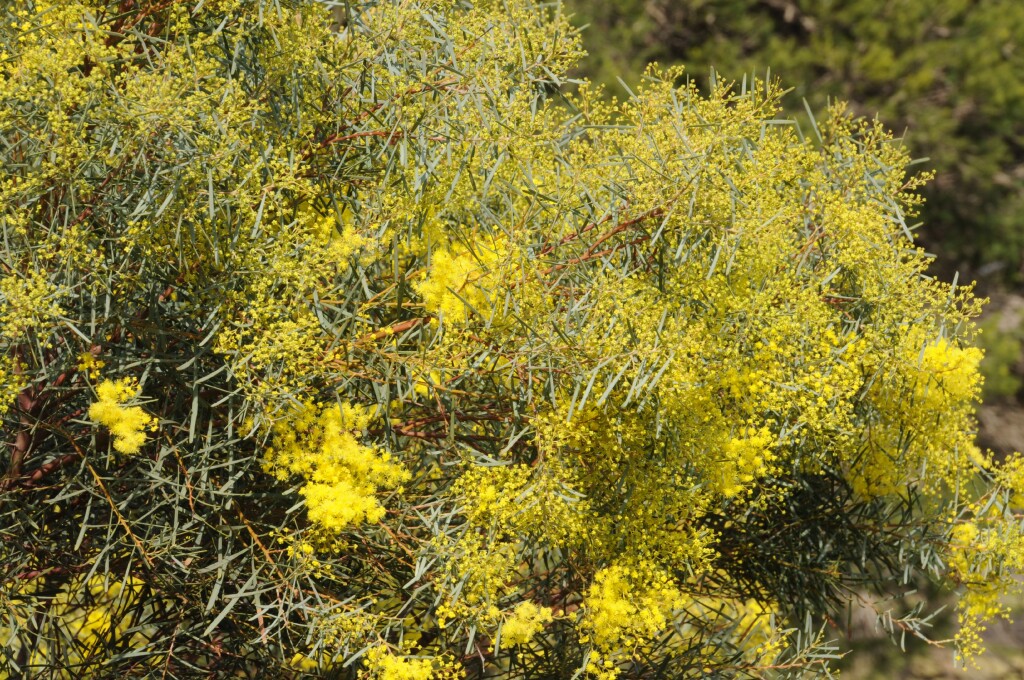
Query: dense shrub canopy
363	349
943	73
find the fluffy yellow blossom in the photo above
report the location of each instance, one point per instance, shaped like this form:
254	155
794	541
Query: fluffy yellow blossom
461	282
89	364
342	476
126	423
984	556
944	374
921	377
628	606
300	661
1010	475
382	664
526	621
746	458
962	543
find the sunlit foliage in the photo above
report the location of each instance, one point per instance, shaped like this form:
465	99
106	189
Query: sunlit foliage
944	74
361	345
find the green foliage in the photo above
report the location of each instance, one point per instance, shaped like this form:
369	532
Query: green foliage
945	73
363	351
1002	352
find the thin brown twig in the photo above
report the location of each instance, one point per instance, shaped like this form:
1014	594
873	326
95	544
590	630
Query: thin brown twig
120	517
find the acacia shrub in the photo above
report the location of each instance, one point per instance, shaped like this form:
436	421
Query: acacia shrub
361	349
943	74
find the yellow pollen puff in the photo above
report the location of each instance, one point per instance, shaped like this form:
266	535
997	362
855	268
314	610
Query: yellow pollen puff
126	423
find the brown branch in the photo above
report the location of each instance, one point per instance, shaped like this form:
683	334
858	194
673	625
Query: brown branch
120	517
572	237
333	139
28	405
393	329
52	466
589	255
392	137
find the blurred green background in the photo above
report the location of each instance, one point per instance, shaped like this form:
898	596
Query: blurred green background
947	76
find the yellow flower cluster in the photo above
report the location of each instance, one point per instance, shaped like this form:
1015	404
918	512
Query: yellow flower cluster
476	577
301	662
516	500
947	374
985	557
126	423
628	606
343	477
382	664
747	458
29	302
90	365
526	621
26	303
627	609
1010	476
925	377
10	383
461	282
511	511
